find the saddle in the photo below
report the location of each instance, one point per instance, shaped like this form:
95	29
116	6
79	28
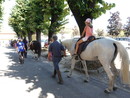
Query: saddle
83	45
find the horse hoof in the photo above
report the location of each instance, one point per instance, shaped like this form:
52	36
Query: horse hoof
86	81
107	91
68	77
60	82
114	88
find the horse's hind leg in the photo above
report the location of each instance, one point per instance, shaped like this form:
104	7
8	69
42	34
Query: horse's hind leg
115	74
39	54
110	75
86	71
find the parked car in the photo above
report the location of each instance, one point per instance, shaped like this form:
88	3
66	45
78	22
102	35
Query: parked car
125	41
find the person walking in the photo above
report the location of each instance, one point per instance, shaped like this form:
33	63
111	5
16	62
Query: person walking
26	47
55	54
20	48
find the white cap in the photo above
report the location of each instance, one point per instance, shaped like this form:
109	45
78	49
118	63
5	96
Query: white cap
88	20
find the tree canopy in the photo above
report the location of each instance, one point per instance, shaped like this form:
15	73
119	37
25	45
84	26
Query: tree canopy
83	9
58	10
48	16
1	10
38	16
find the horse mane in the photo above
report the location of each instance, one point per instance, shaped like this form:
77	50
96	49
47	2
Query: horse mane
69	43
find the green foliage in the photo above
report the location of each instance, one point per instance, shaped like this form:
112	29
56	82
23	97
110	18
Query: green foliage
94	7
32	15
55	15
17	19
27	16
1	9
83	9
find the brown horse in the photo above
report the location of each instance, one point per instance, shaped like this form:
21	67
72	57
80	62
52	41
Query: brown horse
35	46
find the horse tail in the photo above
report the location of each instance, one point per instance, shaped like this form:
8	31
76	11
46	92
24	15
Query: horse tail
115	53
124	70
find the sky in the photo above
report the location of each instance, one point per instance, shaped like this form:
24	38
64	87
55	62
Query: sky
100	23
121	5
7	6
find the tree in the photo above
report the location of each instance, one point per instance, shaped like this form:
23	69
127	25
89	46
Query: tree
57	10
83	9
38	11
1	10
20	19
14	20
115	26
27	16
39	16
127	27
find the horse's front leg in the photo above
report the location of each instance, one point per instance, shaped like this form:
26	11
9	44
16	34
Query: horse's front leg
73	61
33	54
86	71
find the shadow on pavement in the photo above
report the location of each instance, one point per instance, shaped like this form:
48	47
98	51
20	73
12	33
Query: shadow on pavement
36	72
39	74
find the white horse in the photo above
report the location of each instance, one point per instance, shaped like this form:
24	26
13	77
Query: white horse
104	50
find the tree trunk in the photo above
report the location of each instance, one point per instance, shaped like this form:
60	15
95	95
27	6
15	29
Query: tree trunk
78	16
54	17
50	33
38	35
30	36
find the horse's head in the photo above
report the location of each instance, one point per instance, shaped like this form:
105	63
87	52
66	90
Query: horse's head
31	46
69	44
36	47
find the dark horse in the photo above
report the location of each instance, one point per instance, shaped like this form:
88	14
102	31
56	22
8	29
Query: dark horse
35	46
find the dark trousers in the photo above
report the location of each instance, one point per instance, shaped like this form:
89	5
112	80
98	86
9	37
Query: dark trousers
21	53
56	61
